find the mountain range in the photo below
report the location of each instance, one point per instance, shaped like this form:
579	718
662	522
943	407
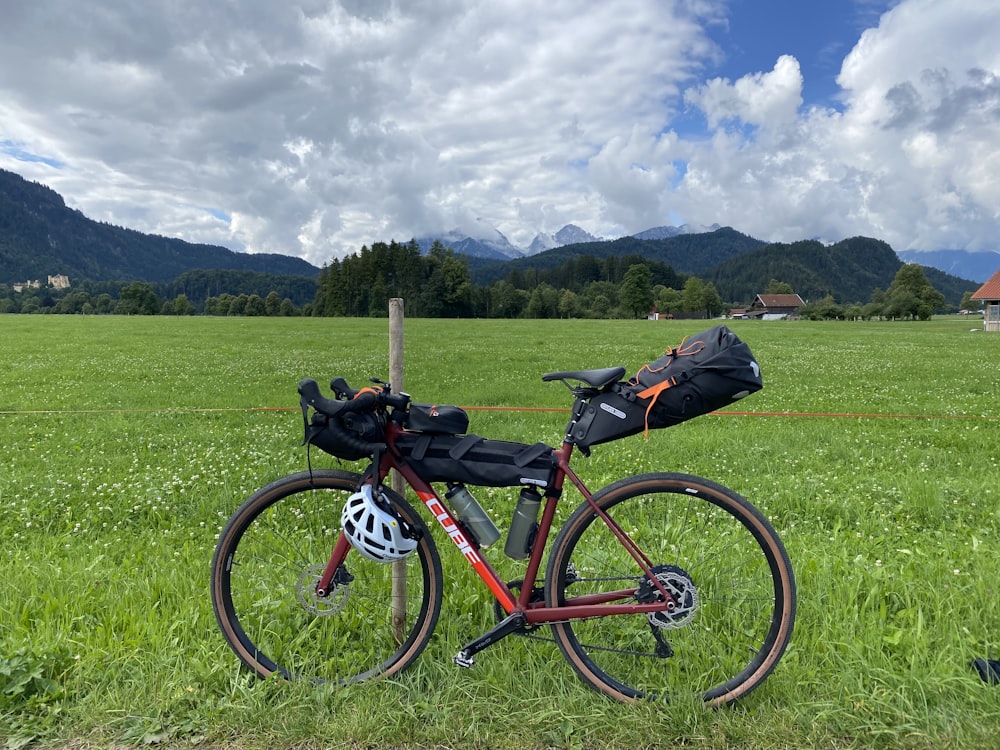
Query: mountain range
978	266
486	242
40	235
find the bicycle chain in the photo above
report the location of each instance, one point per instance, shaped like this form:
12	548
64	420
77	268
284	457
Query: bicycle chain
537	594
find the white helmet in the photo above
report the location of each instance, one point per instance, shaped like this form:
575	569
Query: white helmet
376	533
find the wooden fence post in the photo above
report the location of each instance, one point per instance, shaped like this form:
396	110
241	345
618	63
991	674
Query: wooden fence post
397	483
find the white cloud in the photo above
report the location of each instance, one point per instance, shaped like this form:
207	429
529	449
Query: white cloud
315	126
908	159
757	99
318	126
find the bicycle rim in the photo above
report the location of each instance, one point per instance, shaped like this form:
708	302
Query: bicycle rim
267	562
723	562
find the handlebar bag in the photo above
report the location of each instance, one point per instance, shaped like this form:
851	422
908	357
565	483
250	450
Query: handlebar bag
338	435
708	371
474	460
437	420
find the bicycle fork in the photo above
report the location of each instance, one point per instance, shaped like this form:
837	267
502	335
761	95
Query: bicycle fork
337	557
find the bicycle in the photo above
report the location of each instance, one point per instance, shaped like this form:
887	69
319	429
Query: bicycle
655	585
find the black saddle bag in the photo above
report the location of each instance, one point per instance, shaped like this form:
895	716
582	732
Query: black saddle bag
707	371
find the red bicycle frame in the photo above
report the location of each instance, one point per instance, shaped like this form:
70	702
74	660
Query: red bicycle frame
534	612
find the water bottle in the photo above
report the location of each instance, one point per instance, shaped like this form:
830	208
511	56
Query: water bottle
523	525
472	515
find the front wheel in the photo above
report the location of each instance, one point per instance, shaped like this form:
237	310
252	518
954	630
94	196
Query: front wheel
722	562
268	561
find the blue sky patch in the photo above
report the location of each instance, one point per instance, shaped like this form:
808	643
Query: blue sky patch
13	149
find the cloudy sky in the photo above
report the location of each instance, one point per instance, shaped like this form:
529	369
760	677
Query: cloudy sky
312	127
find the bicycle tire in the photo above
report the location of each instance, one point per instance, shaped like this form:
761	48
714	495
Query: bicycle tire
722	559
267	561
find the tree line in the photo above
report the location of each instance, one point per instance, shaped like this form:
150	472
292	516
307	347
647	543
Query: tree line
910	296
436	285
146	298
440	285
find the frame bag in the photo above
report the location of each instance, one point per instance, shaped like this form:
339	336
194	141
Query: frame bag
706	372
471	459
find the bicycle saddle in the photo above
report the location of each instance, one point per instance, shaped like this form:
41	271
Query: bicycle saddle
594	378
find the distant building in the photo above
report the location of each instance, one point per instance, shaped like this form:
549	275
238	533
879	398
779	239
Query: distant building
989	295
56	282
776	306
679	315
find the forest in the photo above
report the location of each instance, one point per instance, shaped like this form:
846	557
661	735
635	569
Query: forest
441	285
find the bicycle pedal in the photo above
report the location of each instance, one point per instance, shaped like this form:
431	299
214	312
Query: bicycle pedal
463	660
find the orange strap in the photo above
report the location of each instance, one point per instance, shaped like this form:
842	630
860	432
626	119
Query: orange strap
376	391
653	392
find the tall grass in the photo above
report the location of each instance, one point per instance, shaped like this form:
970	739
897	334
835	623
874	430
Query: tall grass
127	442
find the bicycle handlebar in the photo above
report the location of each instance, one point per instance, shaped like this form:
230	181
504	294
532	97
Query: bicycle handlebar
339	386
309	390
351	401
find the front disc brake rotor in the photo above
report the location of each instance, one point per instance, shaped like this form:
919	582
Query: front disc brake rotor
323	606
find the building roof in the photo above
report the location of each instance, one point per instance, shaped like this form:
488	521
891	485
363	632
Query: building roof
780	300
989	290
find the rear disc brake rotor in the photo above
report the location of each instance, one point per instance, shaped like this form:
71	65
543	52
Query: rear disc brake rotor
680	586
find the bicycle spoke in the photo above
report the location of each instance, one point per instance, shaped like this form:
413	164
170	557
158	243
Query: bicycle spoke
269	559
729	577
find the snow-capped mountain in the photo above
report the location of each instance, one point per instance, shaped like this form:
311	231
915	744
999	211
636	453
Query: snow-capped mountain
570	234
487	242
484	242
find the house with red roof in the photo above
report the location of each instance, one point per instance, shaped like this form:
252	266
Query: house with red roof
989	295
776	306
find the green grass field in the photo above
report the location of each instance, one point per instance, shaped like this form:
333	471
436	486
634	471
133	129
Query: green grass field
127	442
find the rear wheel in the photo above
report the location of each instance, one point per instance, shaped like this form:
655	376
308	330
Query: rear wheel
264	573
720	559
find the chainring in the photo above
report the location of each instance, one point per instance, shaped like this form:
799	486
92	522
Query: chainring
537	595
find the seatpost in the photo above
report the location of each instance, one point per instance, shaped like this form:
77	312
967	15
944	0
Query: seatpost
578	408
